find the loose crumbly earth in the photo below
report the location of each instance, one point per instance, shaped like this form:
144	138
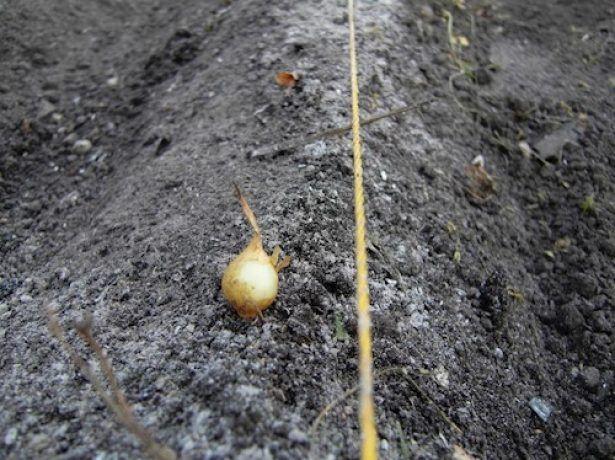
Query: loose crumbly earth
490	286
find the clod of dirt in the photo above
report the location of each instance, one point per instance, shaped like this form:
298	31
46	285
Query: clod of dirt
483	76
608	246
550	147
590	377
569	319
180	49
585	284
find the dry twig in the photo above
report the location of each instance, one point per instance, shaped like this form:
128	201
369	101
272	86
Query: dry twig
390	370
115	400
285	147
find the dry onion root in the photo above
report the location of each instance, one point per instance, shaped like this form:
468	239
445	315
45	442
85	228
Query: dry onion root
250	282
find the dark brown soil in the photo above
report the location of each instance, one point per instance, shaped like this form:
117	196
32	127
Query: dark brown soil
491	225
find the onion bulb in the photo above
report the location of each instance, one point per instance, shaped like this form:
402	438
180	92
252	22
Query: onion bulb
250	282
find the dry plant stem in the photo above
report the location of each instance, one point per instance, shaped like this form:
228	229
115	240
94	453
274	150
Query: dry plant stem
247	211
367	121
116	401
390	370
123	409
85	332
338	131
323	413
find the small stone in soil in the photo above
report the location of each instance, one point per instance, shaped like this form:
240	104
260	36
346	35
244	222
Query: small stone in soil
70	139
298	436
427	12
541	408
45	109
82	146
63	274
11	436
590	376
550	146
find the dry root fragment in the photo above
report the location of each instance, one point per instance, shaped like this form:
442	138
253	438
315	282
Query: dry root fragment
250	282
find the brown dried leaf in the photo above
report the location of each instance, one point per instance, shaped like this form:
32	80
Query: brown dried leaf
26	127
562	244
481	185
287	79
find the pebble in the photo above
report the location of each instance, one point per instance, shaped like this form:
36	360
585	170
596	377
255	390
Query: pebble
45	109
39	441
601	322
499	354
384	444
248	391
417	320
10	437
112	82
298	436
71	199
70	139
541	408
441	376
590	376
33	206
63	273
414	263
279	428
525	149
251	453
82	146
427	12
479	161
316	150
464	415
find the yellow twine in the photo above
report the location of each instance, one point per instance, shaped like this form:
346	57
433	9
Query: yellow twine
369	437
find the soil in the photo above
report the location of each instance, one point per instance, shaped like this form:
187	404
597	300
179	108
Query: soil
491	220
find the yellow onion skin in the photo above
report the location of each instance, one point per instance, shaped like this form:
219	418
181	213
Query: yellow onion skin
250	282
